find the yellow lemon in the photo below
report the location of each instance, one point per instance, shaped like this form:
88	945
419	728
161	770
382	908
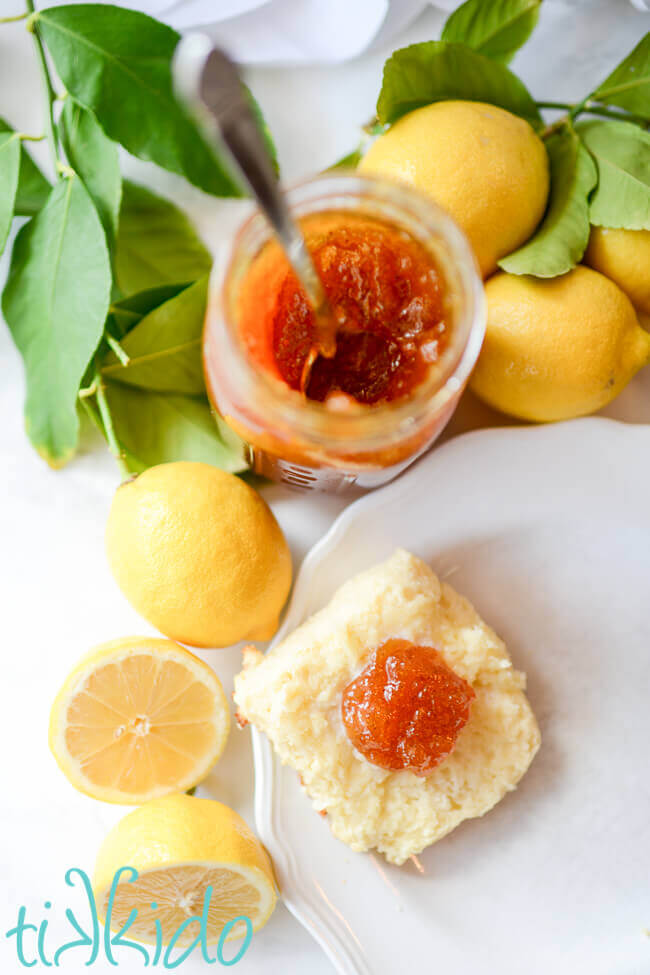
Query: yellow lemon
180	846
199	554
624	256
138	718
558	347
485	166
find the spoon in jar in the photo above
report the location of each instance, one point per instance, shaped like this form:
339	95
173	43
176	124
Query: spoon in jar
209	82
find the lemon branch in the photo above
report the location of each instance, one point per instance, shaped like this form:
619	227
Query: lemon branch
587	107
107	422
117	349
93	398
566	106
50	93
593	108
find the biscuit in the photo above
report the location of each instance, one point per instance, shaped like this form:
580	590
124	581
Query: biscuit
293	695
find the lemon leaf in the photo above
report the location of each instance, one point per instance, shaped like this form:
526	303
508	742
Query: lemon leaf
117	63
33	188
562	237
55	303
126	313
94	158
9	173
628	86
156	243
164	347
439	70
154	428
349	161
497	29
622	154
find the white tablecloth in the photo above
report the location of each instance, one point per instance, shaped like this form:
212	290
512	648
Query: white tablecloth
58	596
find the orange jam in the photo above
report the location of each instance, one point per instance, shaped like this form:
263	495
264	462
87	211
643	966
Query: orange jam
387	297
406	708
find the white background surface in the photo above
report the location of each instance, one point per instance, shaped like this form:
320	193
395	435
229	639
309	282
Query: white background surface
58	597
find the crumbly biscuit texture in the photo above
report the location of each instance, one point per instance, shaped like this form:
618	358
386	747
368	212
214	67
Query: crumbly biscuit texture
293	695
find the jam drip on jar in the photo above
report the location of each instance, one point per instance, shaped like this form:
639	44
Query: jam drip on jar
386	295
406	708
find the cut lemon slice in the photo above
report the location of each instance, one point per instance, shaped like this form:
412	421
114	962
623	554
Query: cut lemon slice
180	846
138	718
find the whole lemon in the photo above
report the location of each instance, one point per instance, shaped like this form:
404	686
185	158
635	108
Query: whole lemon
557	347
624	256
485	166
199	554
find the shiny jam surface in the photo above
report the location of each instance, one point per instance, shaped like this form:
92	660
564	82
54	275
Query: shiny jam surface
406	707
388	300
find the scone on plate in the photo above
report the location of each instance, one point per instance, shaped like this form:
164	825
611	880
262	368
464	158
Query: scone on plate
398	707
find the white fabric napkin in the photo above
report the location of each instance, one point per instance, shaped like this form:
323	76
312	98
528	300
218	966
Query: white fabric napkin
292	32
304	31
288	32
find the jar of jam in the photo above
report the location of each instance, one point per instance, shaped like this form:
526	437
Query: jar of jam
409	310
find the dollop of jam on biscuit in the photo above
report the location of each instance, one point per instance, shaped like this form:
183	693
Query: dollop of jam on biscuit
406	708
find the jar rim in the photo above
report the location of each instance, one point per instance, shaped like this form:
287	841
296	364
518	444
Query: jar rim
374	424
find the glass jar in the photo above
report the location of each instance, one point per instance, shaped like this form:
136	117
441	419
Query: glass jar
303	442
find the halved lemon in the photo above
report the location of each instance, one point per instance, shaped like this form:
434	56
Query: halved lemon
180	846
138	718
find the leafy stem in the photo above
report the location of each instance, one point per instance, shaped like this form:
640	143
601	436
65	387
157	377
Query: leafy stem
93	413
593	108
575	110
14	18
99	411
563	105
587	107
117	349
50	94
107	423
562	123
86	392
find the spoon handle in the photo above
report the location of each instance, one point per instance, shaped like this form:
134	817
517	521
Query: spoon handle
210	82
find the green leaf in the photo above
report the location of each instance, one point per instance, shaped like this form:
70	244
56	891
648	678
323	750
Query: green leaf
437	70
622	154
628	86
9	170
156	243
117	63
33	188
95	159
497	29
561	239
55	303
125	314
164	348
351	161
155	428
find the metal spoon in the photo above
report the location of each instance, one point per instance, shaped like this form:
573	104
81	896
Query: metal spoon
209	82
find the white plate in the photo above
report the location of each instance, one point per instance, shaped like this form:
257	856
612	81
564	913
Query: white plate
547	531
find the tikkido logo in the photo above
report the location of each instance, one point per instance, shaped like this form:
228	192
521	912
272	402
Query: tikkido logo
32	941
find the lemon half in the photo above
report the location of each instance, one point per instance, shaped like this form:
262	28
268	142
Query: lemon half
138	718
179	845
